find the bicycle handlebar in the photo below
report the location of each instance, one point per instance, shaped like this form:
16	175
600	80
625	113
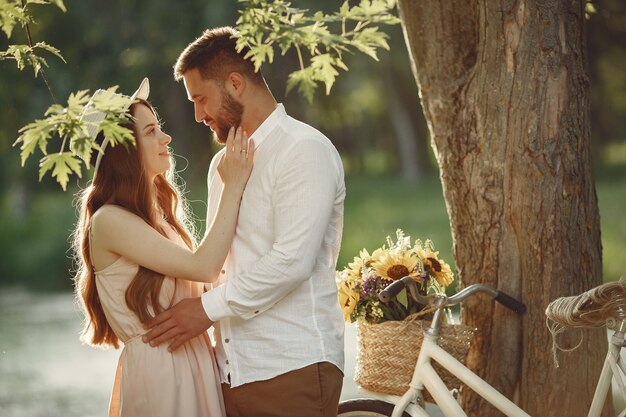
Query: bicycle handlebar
394	288
511	303
503	298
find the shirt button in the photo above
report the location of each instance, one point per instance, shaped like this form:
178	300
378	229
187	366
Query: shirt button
226	340
227	362
223	271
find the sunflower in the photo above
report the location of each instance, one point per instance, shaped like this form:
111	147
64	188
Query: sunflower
355	267
435	266
396	264
348	298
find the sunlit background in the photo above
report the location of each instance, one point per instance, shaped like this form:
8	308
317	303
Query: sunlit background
372	115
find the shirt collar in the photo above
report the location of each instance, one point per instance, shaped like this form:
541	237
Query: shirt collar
263	131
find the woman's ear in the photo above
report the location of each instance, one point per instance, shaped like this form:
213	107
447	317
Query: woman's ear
236	84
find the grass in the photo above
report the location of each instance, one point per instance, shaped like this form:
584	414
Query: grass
34	247
612	203
376	207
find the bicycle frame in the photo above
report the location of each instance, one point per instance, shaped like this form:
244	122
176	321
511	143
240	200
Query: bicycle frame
425	376
613	367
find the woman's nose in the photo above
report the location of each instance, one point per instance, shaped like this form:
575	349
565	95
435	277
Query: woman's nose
166	139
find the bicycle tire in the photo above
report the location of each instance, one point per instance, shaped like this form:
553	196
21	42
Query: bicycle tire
366	408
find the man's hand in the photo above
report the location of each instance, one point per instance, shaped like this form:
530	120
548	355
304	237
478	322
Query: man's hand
179	324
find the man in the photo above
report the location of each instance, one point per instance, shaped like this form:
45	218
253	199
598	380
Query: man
278	326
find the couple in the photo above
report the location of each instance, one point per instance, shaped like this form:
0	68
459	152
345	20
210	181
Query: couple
268	258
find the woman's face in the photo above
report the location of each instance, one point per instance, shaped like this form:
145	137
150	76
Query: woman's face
151	142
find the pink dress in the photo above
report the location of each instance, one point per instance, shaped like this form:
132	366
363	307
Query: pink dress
152	381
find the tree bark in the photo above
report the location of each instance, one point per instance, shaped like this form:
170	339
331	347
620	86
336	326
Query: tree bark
505	93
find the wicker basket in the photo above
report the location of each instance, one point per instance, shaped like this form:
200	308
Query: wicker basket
387	353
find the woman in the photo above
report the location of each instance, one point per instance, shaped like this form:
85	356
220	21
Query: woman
136	258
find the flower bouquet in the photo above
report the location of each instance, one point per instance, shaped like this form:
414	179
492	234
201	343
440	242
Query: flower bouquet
390	334
361	281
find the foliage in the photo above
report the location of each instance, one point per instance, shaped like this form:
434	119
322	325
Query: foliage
65	122
360	282
25	55
14	13
267	24
264	24
72	125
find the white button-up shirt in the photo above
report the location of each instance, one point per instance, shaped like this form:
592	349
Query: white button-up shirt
276	302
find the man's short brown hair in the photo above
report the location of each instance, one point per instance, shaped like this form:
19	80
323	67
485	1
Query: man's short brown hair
215	55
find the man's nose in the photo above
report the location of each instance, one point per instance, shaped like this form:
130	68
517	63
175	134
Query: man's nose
199	113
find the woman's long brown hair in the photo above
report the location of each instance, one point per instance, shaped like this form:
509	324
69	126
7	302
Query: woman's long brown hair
121	181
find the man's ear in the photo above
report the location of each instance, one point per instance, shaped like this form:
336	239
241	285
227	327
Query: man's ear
236	84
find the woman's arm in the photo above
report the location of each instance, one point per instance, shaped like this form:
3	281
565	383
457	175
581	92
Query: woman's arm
118	231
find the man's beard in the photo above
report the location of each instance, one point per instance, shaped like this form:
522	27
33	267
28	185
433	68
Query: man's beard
229	116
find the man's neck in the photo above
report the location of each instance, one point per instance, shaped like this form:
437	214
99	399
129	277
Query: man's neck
256	112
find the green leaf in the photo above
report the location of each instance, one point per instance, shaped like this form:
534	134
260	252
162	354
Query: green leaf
324	70
319	38
60	5
62	165
51	49
344	9
24	55
12	14
65	122
116	133
260	53
303	79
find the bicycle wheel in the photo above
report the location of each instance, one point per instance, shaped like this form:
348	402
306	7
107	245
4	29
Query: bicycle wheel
366	408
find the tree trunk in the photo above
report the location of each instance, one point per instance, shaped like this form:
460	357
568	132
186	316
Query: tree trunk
505	94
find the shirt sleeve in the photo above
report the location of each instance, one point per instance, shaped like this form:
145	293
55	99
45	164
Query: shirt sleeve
307	177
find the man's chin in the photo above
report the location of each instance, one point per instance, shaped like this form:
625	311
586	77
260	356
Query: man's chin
217	138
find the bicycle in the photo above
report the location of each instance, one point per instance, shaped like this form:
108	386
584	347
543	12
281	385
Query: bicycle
610	310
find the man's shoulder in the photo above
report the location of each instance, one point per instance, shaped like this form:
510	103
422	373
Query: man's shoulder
298	130
301	136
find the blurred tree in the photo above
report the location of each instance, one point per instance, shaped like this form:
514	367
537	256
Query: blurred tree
607	72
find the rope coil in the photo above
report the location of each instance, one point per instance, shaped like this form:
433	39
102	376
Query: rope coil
604	305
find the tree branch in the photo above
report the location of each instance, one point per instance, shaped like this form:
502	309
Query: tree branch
43	75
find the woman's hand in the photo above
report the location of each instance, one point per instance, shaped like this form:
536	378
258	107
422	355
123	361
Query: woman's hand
236	164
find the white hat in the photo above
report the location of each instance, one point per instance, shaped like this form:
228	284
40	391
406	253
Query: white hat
95	118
